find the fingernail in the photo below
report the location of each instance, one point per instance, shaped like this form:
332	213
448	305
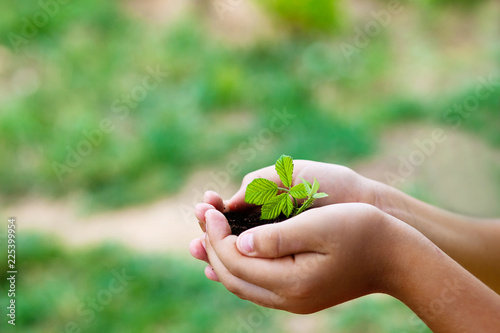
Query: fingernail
246	242
203	241
207	220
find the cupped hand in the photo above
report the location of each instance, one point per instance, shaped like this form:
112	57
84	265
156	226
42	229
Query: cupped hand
318	259
340	183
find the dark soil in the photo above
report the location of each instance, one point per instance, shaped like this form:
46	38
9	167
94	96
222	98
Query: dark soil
241	221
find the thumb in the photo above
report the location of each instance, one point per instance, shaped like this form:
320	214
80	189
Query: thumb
295	235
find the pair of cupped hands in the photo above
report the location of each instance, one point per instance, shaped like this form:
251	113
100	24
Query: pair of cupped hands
341	249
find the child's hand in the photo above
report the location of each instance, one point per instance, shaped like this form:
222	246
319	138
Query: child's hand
340	183
363	240
315	260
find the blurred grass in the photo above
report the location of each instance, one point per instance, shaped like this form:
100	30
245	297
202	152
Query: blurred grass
163	294
57	286
67	79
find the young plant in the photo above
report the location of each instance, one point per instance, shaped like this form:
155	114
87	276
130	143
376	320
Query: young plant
264	192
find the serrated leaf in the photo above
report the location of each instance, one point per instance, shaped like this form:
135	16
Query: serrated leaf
284	168
287	206
315	186
320	195
260	191
279	204
307	185
298	191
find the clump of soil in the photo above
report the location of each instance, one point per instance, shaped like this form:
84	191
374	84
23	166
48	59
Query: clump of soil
241	221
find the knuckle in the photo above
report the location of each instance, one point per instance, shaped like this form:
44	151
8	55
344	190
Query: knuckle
367	208
290	304
292	288
277	241
372	212
299	290
232	287
271	244
249	177
277	302
236	270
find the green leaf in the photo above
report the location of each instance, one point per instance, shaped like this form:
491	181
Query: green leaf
315	186
288	206
273	208
298	191
307	185
284	168
320	195
260	191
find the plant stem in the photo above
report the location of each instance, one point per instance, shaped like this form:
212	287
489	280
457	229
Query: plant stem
296	204
305	205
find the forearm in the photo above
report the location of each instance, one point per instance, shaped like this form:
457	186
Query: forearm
473	243
441	292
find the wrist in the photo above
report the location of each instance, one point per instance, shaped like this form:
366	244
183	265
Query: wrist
383	196
394	202
385	241
415	269
363	190
399	255
442	293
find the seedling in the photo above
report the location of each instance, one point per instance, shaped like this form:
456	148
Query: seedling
264	192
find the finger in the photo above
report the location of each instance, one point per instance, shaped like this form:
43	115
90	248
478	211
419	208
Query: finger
218	225
214	199
318	230
199	211
197	250
296	235
210	273
243	289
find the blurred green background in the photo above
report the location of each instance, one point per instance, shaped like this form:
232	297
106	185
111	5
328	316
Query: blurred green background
117	104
